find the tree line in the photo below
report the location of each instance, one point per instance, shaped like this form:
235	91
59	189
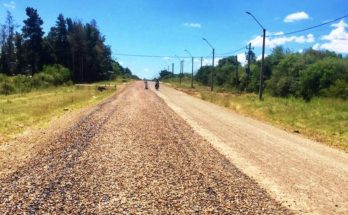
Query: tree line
79	47
306	75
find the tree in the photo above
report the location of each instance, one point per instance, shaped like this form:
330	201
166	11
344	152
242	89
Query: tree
58	39
321	75
284	80
7	63
32	34
164	74
203	75
77	41
20	51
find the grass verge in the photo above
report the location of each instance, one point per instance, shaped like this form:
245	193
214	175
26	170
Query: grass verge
322	119
19	112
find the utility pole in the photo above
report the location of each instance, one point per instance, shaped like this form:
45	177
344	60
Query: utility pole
237	77
192	59
249	56
212	71
192	74
262	65
201	61
173	69
181	68
263	55
182	71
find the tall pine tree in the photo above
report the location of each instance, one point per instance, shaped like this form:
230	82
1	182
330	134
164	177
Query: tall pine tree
8	58
32	33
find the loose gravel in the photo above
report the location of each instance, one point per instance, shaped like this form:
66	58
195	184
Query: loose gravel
132	155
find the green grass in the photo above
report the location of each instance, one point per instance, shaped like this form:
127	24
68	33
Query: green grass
35	109
321	119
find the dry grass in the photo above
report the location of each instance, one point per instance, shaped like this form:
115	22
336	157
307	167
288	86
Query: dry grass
19	112
322	119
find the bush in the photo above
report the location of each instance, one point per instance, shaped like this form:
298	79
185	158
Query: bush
22	83
56	74
7	88
53	75
42	80
338	90
322	75
203	75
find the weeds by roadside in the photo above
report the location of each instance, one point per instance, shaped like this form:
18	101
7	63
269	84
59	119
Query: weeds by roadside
322	119
34	109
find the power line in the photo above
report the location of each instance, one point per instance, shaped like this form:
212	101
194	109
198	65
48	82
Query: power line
309	28
149	56
157	56
231	52
168	56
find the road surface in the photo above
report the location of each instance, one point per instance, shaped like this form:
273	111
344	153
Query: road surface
308	177
131	154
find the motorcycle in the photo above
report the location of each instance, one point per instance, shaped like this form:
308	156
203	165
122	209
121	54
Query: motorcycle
157	85
146	86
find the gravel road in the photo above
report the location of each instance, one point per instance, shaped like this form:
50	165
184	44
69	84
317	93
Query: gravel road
306	176
132	155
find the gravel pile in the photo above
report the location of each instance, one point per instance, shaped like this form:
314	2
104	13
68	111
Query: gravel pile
132	155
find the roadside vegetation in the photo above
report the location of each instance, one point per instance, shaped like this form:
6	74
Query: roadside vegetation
22	111
305	92
303	75
321	119
43	75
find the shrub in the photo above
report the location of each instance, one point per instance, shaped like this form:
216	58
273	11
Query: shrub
56	74
321	75
338	90
22	83
53	75
42	80
7	88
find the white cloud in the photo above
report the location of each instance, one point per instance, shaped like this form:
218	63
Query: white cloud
277	41
241	58
192	25
336	40
205	62
10	5
316	46
296	17
275	33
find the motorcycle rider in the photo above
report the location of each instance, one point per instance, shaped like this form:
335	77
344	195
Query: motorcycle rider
145	82
157	84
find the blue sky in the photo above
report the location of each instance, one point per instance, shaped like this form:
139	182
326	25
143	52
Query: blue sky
168	27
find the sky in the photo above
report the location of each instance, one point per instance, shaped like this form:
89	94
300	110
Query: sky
165	28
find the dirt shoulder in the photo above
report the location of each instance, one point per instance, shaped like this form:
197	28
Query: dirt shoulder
306	176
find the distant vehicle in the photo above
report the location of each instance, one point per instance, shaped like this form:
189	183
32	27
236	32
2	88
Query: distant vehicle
157	84
146	85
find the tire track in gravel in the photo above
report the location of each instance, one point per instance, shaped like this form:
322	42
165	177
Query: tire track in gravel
52	163
132	155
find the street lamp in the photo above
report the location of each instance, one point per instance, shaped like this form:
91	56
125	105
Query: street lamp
212	71
172	63
263	55
192	67
181	67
